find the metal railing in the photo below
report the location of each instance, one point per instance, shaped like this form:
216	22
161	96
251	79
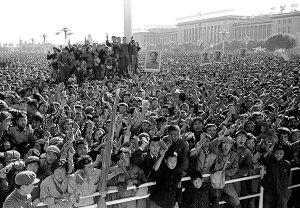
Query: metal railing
134	198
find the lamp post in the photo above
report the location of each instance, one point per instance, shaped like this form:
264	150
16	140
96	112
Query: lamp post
67	32
223	33
246	38
32	41
44	37
25	46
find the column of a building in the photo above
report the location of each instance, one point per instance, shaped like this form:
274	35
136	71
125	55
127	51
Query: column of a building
235	33
207	34
243	31
269	30
200	34
259	32
248	31
215	35
187	36
212	34
219	30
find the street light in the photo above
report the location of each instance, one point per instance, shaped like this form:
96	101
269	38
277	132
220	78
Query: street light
66	31
223	33
246	38
32	41
44	37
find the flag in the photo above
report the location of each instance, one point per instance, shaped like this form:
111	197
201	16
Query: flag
282	8
294	5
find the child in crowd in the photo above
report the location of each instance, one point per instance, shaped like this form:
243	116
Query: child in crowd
196	193
167	191
277	177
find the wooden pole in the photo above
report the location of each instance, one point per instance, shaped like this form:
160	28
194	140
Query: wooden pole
107	153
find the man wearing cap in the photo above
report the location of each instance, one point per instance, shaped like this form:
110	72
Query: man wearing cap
52	154
32	164
244	161
21	196
227	159
85	180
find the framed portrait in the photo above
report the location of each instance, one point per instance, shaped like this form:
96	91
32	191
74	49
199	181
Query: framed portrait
229	57
217	56
205	58
243	53
152	61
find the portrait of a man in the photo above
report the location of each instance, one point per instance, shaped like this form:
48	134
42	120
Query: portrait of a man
152	61
217	56
243	53
205	59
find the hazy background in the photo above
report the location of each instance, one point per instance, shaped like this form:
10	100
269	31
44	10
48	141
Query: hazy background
28	19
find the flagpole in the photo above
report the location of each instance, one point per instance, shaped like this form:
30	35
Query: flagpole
107	153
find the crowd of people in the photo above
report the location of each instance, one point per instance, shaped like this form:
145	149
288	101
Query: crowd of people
225	120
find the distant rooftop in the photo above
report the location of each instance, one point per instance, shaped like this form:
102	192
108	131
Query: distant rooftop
231	14
156	29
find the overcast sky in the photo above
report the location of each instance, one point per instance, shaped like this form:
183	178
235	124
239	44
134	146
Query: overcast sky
28	19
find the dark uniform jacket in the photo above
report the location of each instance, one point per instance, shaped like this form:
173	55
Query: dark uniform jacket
276	179
196	197
167	190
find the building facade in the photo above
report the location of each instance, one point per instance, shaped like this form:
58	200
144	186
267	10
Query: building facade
209	29
256	29
156	36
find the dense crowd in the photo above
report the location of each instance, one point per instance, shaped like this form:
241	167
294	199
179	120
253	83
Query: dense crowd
224	119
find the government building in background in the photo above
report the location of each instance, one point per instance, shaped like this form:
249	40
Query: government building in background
207	28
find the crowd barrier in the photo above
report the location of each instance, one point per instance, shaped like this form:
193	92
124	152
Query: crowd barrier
118	201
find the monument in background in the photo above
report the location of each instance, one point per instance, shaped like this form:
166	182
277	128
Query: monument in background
127	19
